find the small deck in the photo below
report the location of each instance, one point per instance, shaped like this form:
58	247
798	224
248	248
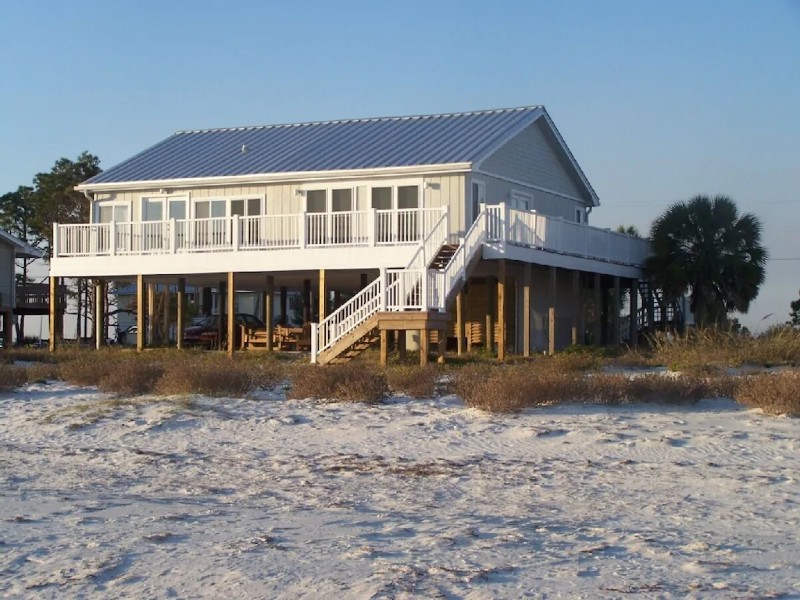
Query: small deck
34	299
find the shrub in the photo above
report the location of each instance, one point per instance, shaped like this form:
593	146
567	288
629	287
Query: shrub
12	377
417	382
131	378
42	372
775	393
338	382
212	376
87	368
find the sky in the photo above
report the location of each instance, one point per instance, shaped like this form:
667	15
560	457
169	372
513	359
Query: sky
658	101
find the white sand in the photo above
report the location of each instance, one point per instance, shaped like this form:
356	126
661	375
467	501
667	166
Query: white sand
268	498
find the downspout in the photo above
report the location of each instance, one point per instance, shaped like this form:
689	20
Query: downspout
588	212
90	198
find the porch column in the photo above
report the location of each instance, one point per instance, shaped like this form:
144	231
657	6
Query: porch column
306	300
151	314
460	322
284	317
488	334
551	313
323	297
424	347
384	334
633	336
501	310
221	303
181	312
167	301
99	317
577	309
231	313
615	313
526	311
269	298
140	308
597	326
401	345
53	313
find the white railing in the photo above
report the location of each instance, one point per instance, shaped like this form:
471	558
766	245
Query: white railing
393	290
262	232
534	230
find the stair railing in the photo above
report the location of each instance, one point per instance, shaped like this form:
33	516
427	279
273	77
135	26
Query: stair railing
382	293
442	283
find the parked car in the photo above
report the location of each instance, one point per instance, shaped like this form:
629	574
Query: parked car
206	333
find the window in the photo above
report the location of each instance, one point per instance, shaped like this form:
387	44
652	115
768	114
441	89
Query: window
521	200
578	215
113	211
382	198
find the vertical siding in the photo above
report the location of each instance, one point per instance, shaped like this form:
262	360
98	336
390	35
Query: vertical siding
448	190
534	157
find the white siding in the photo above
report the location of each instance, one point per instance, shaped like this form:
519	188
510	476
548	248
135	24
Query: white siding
447	190
535	157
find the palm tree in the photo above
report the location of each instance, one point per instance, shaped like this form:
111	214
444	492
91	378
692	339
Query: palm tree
705	248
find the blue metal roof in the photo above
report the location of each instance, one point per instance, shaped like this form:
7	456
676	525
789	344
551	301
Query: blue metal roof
323	146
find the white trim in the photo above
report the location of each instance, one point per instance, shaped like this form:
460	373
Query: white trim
291	177
190	213
94	214
530	185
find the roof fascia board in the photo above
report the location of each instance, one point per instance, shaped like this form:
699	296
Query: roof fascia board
568	152
295	177
528	185
25	249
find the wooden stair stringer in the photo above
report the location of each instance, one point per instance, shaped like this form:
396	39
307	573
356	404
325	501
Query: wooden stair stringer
350	341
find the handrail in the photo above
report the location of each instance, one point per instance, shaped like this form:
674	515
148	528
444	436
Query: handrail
393	289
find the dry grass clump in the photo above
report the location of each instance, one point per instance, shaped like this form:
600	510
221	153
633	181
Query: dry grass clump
87	368
12	377
700	349
212	376
775	393
511	388
413	381
131	378
338	382
41	372
650	388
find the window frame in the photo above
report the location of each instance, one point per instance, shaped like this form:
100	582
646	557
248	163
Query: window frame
520	196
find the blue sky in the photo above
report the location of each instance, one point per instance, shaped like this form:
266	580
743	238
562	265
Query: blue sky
659	101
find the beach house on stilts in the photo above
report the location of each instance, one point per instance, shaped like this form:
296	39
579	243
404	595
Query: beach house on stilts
465	229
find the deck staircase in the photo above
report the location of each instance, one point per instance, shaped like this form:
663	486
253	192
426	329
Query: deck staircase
428	283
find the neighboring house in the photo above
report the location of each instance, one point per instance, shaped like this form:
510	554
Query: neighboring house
30	297
395	223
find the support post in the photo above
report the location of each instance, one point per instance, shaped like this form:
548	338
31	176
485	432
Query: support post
551	313
526	311
140	308
53	313
231	309
269	298
424	347
488	334
384	347
323	297
221	304
615	313
460	323
166	314
8	317
441	346
501	311
99	317
151	314
181	312
597	332
633	336
577	308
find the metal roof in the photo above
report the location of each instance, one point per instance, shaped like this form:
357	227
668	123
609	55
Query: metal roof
323	146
